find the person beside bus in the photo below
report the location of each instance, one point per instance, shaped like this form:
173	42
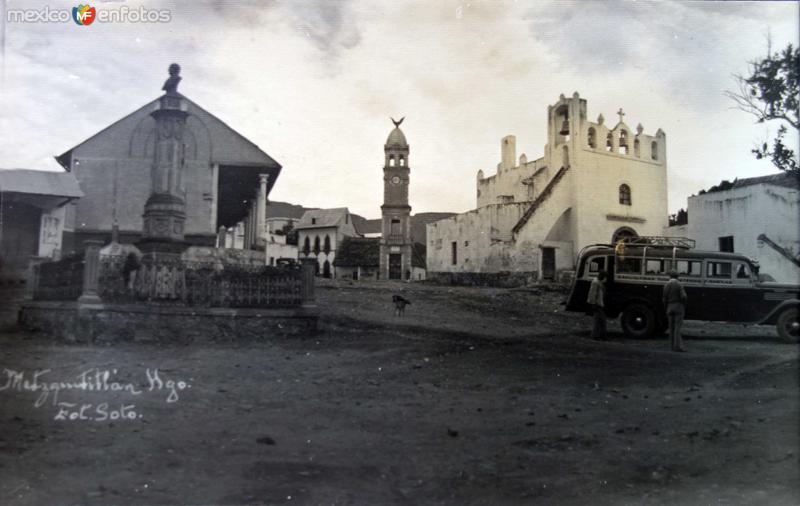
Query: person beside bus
595	300
675	304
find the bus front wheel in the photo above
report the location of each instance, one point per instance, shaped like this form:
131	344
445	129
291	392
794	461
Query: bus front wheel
789	325
638	321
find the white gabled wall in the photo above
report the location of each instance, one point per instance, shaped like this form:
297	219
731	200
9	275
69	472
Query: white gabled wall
745	213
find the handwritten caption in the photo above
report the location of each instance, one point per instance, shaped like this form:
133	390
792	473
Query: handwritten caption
95	380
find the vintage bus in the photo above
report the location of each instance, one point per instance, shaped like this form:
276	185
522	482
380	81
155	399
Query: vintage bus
720	286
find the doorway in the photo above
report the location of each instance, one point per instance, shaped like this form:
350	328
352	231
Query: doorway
395	266
549	263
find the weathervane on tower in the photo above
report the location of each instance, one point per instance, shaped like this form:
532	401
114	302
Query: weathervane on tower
397	123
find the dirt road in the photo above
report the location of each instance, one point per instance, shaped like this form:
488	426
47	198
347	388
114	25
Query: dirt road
475	396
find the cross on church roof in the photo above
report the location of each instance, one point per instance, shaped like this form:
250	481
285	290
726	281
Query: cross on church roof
621	114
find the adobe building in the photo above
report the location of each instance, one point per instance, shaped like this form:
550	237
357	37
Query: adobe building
222	175
33	211
756	216
596	183
320	232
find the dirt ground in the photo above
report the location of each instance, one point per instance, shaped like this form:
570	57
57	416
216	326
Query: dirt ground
474	397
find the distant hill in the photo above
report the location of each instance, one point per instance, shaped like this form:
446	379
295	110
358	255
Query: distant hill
286	210
418	222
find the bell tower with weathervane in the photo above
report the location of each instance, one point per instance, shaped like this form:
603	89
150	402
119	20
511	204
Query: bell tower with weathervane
396	246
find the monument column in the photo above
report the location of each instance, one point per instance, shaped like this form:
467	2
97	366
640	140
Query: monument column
165	210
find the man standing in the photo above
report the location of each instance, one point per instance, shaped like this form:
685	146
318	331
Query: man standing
595	300
675	302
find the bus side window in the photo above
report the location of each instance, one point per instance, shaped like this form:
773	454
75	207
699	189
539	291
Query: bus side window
689	268
718	270
657	266
595	265
629	265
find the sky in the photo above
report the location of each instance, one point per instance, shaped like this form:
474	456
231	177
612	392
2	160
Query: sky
314	83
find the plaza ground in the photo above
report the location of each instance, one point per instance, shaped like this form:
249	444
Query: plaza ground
474	397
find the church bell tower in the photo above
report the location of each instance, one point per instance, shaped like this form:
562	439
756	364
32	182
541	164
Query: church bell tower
396	246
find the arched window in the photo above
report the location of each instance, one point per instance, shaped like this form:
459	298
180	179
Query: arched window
592	138
636	151
654	150
327	247
622	233
402	161
316	245
624	194
307	246
391	161
609	141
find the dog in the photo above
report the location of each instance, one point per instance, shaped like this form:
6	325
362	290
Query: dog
400	304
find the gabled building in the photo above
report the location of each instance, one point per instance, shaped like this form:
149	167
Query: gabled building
596	183
222	174
319	234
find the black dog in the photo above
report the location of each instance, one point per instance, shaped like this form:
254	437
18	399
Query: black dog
400	304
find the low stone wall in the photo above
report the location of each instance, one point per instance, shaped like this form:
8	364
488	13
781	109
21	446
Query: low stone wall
108	323
498	279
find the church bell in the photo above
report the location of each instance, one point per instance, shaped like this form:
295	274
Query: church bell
564	128
623	142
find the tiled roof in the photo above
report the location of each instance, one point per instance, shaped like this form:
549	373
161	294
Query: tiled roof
320	218
39	182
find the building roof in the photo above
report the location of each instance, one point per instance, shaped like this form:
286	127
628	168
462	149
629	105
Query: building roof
365	226
258	156
323	218
358	252
786	179
39	182
397	138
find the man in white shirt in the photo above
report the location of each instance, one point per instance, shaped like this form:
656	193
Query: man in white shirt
596	300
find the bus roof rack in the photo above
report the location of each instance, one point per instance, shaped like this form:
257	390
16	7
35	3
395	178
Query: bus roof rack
659	241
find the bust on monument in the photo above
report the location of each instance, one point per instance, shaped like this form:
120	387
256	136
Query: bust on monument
171	84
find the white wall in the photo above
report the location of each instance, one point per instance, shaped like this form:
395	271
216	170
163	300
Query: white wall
51	231
745	213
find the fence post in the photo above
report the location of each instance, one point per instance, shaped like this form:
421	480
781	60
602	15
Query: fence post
308	266
91	272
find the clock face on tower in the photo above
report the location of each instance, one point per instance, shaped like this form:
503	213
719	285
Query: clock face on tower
395	180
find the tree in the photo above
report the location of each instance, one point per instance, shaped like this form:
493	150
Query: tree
679	218
770	93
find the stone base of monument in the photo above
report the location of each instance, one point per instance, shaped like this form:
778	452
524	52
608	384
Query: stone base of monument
76	322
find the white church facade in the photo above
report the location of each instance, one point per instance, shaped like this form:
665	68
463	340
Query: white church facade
595	184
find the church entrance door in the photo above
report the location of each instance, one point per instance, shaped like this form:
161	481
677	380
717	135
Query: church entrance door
549	263
395	269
